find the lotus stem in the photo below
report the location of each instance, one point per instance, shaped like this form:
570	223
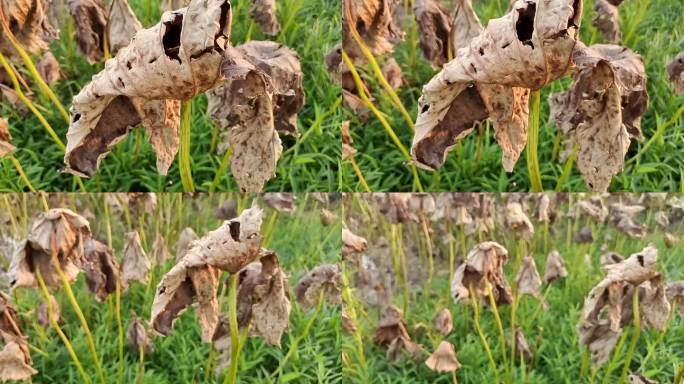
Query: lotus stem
223	167
348	300
452	254
141	369
533	142
383	121
119	325
210	363
661	336
635	336
483	339
567	168
268	228
21	173
231	377
55	325
679	375
13	220
658	133
376	68
428	242
514	307
184	150
614	359
359	175
499	325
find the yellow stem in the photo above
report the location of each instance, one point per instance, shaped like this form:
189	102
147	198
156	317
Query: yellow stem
21	173
357	170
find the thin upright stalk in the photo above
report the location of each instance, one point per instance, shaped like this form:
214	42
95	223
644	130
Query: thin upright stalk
231	377
533	142
21	173
223	167
635	336
184	148
362	179
567	168
428	242
483	339
141	368
499	325
119	325
55	325
679	375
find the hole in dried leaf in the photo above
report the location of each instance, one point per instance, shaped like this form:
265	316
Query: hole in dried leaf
172	34
77	117
524	27
235	230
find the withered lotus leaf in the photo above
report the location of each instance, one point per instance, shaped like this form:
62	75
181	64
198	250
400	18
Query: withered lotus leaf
348	150
90	21
544	209
395	207
135	265
174	60
675	293
594	208
623	217
352	243
271	304
400	347
222	345
482	269
280	201
122	24
172	5
58	233
15	359
6	146
264	13
584	236
100	268
392	72
675	72
185	239
443	359
443	322
610	258
374	21
607	19
522	347
391	326
555	267
602	110
662	219
227	210
159	251
434	27
525	49
608	307
325	280
48	68
28	22
232	246
42	312
528	281
517	220
137	337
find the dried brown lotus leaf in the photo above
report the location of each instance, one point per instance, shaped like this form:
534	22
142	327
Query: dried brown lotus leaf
232	246
517	220
613	296
637	378
348	325
280	201
6	146
375	22
100	268
15	359
48	68
675	293
443	322
28	22
135	265
443	359
434	27
522	347
544	212
395	207
624	218
264	13
392	72
482	269
185	240
324	280
137	337
466	25
328	217
584	236
159	251
90	21
59	232
528	281
352	243
121	25
555	267
391	326
675	72
602	110
400	347
607	20
348	150
271	308
527	48
42	312
593	208
174	60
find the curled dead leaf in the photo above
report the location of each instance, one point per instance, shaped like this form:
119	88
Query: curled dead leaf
528	281
264	13
15	359
137	337
671	240
282	202
171	61
348	150
374	21
328	217
28	22
100	268
352	243
392	72
159	251
554	268
584	236
395	207
675	72
401	347
6	146
227	210
48	68
391	326
522	347
443	359
491	77
443	322
122	24
135	265
483	269
517	220
594	208
321	282
232	246
271	304
607	19
90	21
434	28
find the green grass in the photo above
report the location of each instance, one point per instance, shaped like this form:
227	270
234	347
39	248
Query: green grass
551	333
181	357
310	27
652	28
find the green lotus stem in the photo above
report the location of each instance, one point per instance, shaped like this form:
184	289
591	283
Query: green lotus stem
533	142
223	167
383	121
350	310
231	377
268	228
616	355
567	168
357	170
483	339
658	133
55	325
210	363
679	375
141	368
119	325
514	307
13	220
184	150
44	88
635	336
499	325
21	173
452	256
376	69
428	242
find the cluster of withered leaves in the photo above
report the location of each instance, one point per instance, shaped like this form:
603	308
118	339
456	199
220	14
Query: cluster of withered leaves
187	53
608	307
15	359
602	110
493	70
